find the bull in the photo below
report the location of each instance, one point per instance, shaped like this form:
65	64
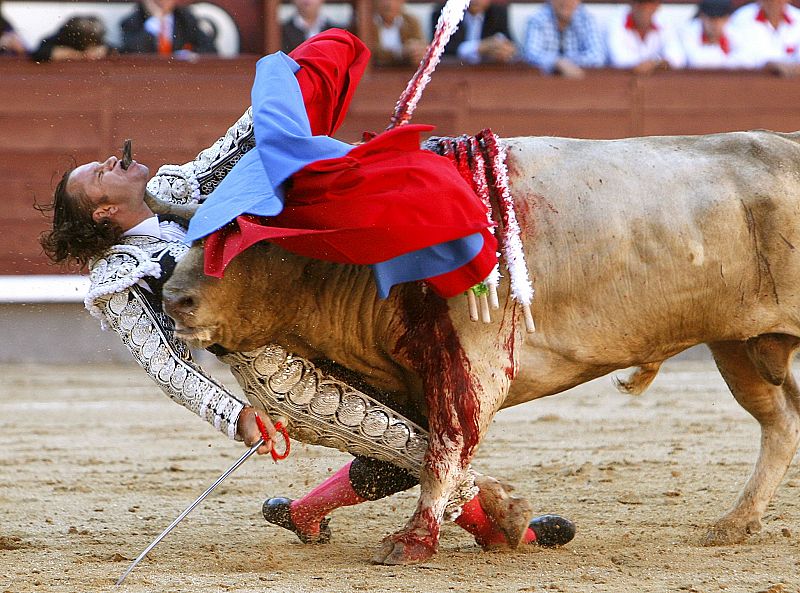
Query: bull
637	248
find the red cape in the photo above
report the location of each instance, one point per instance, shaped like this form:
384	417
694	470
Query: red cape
383	199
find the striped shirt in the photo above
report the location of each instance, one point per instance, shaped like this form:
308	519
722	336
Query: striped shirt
580	42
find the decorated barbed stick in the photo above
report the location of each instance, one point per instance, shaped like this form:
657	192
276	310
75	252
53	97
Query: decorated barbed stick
470	165
481	186
521	287
449	19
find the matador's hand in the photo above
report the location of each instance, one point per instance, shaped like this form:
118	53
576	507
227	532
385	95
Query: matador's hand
248	429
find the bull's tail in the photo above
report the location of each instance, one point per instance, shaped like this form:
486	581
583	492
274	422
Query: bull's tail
639	380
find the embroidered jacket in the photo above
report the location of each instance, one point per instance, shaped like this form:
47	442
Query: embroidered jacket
126	283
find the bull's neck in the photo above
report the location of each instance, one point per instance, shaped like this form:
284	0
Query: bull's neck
321	309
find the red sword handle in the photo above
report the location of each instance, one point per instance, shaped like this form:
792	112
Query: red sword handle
284	433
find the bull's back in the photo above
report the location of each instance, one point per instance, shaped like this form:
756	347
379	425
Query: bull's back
639	248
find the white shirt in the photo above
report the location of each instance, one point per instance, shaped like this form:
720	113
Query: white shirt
389	36
153	25
473	27
700	54
755	42
151	227
169	231
310	29
626	48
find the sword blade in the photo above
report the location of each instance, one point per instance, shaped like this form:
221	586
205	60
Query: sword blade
189	509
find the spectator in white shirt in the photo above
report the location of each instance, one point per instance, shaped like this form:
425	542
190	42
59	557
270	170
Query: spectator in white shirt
482	36
637	41
395	36
705	40
767	34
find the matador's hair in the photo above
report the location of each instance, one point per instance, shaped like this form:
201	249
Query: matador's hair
75	236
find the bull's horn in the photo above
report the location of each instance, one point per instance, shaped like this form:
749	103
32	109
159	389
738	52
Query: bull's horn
159	206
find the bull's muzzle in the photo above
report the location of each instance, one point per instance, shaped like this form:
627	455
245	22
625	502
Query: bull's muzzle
179	305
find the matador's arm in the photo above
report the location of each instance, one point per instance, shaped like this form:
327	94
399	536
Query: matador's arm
147	333
195	180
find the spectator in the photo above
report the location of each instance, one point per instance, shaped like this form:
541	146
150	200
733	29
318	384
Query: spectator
562	37
704	39
395	37
307	22
766	34
483	34
635	40
80	38
10	41
159	26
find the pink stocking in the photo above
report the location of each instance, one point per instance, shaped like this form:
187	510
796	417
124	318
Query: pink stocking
335	492
475	521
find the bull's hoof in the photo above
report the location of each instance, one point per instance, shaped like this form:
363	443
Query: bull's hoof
511	514
278	512
552	530
728	533
400	549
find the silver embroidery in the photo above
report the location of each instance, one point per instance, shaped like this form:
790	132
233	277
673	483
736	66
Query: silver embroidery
196	179
170	367
321	410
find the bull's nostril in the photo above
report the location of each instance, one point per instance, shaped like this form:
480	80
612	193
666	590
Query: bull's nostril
185	303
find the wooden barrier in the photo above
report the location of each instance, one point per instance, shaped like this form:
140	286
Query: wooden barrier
55	114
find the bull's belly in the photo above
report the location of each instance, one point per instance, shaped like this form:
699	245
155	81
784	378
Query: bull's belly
570	356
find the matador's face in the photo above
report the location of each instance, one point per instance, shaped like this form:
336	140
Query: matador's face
107	184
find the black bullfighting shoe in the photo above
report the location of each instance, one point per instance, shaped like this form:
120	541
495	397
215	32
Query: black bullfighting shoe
277	512
552	530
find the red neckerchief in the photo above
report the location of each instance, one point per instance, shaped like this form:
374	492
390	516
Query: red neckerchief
761	17
630	24
724	43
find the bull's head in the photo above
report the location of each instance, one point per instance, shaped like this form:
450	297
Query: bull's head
234	312
192	299
187	296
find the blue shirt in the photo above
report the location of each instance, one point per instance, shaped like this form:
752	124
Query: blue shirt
581	42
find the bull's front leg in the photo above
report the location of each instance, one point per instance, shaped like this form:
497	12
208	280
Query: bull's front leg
442	472
462	393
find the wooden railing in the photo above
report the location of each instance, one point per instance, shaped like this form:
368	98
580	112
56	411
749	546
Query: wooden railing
52	115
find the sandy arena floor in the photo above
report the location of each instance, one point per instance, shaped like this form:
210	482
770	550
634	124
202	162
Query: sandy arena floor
94	463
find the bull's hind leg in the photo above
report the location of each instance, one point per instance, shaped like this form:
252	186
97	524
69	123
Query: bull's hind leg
777	409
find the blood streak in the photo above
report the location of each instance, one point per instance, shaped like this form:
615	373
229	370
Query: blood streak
431	346
511	369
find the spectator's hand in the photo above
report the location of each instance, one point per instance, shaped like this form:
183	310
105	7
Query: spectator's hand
96	52
497	48
248	429
11	41
650	66
186	55
568	69
414	50
62	53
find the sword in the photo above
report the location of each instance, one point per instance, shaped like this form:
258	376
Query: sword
275	455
